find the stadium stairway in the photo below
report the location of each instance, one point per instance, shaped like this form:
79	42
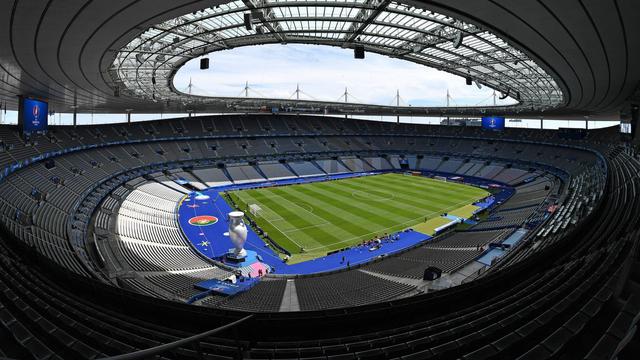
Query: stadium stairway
286	164
226	173
364	160
259	171
318	167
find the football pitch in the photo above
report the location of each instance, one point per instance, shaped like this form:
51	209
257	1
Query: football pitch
312	219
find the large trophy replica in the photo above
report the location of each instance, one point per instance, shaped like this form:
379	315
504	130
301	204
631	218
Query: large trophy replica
238	235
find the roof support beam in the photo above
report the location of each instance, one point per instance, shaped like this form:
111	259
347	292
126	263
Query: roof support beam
437	35
264	15
368	14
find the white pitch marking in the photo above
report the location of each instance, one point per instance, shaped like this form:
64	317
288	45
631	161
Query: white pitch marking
453	207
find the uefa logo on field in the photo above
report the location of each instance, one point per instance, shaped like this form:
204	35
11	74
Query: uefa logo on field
203	220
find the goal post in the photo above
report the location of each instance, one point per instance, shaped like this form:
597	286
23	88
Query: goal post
255	210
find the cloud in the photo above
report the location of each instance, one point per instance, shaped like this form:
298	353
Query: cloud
323	72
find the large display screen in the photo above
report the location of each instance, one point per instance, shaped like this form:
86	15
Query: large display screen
493	122
33	115
625	128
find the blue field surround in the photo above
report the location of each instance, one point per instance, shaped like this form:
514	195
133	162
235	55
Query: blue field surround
207	235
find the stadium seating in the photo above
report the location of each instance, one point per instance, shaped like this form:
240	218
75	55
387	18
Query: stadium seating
266	296
413	263
304	168
332	166
349	288
378	163
565	291
472	239
212	176
243	174
356	165
146	239
274	171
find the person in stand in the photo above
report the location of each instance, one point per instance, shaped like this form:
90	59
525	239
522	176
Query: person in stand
342	262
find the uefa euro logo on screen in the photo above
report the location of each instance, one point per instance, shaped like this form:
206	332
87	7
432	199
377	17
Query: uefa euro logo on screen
32	117
36	115
493	122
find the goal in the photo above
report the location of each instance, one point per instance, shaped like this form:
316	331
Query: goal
255	210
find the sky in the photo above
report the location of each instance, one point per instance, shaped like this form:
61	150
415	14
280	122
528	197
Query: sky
322	73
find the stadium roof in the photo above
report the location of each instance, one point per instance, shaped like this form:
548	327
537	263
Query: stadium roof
145	67
564	58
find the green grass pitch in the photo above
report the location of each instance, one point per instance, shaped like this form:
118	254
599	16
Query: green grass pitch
324	216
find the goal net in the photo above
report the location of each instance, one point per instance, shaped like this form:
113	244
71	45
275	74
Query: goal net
255	210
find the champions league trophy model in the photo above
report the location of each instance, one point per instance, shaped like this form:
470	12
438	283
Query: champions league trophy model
238	234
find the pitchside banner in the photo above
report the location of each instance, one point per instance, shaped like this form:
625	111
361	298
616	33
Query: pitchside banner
493	122
33	115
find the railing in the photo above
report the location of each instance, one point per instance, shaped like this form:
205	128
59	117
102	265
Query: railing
161	349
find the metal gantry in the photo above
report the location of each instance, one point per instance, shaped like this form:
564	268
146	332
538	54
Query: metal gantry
145	67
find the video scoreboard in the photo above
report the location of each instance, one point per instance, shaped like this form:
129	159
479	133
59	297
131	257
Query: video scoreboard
493	123
33	115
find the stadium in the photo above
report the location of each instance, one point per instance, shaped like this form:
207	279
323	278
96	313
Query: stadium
273	227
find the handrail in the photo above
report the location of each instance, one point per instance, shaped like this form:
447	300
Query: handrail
157	350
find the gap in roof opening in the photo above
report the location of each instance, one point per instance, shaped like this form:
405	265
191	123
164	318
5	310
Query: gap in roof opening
322	73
